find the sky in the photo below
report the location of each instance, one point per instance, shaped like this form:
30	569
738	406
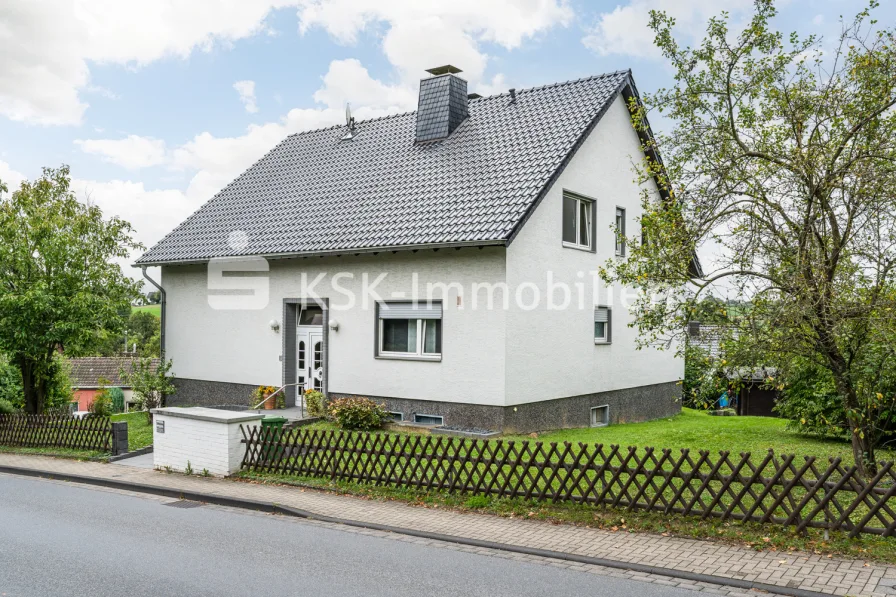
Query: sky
157	104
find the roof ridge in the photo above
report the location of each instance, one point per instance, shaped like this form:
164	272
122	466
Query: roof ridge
478	99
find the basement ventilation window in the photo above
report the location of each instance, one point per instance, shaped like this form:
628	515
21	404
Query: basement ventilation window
429	419
578	222
396	416
600	416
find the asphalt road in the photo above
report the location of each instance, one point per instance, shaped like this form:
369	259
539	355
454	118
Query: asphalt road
58	539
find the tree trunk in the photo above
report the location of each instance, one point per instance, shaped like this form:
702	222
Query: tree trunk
863	449
33	388
860	428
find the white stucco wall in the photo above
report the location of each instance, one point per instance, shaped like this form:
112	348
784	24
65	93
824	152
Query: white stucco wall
212	442
552	354
239	346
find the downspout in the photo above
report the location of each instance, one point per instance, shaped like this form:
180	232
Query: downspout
163	301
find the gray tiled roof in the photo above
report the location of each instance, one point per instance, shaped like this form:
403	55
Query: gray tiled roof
316	194
87	371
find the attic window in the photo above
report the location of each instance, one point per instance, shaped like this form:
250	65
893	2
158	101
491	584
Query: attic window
578	222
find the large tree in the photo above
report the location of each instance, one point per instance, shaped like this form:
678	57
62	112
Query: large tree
58	281
781	152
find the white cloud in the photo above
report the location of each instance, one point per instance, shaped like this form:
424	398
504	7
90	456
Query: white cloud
421	34
624	30
132	152
47	45
153	213
349	81
11	178
246	90
218	160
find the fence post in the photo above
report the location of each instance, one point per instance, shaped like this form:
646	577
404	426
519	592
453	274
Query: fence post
119	438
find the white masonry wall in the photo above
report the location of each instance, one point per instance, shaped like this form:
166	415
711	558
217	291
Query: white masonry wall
551	353
203	438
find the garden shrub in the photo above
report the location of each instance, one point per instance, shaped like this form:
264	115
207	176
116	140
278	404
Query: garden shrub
314	403
357	413
6	407
808	399
116	395
102	404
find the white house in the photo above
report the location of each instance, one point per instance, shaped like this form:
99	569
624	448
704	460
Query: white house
422	260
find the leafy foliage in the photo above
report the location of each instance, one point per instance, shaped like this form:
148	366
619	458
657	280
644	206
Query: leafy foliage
357	413
10	383
102	404
314	402
785	158
6	407
59	285
704	381
150	387
808	399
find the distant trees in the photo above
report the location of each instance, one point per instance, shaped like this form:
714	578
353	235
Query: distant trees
59	284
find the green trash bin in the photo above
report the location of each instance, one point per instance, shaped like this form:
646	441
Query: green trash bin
271	433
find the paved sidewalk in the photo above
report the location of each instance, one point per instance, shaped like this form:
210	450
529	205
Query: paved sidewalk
787	570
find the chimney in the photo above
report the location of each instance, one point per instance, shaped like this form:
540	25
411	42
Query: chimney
442	105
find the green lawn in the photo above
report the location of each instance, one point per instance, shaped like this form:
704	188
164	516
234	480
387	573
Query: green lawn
697	430
139	430
154	309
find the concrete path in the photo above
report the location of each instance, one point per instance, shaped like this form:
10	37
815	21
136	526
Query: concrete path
834	576
144	461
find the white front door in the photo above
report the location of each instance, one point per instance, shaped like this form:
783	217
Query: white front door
309	356
315	375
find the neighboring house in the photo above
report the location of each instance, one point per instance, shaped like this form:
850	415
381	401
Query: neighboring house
755	398
88	373
467	199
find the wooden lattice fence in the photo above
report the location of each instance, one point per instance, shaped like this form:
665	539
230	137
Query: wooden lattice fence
769	488
56	431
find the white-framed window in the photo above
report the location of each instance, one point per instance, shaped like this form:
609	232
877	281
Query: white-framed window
602	321
578	222
409	330
620	231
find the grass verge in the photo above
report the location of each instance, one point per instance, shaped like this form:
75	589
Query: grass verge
56	452
753	535
139	429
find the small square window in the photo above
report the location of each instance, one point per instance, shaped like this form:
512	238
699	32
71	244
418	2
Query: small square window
578	220
600	416
602	324
396	416
620	231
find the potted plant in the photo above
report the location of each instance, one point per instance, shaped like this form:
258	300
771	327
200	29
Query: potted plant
262	393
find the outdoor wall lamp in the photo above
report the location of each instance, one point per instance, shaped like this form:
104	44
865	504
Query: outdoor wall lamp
275	325
334	325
